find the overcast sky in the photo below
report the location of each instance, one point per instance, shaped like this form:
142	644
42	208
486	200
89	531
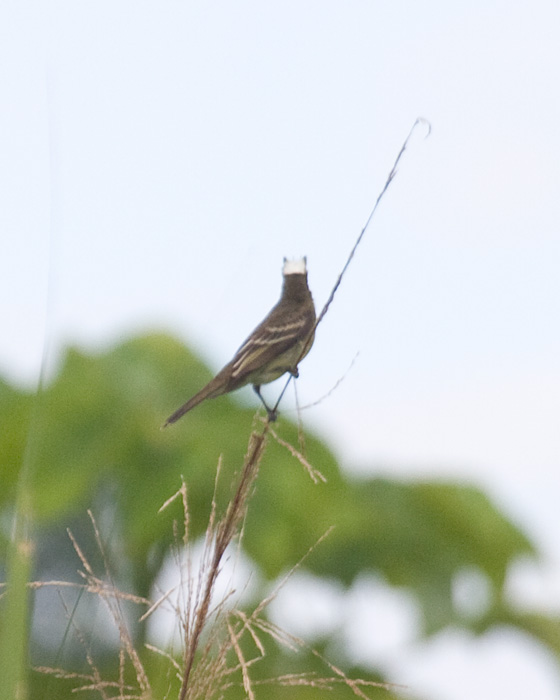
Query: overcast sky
159	159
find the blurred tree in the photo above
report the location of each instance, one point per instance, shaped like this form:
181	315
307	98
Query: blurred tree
96	444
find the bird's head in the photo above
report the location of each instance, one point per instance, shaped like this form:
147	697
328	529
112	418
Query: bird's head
298	266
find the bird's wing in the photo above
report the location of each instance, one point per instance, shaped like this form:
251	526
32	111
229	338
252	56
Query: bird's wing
269	341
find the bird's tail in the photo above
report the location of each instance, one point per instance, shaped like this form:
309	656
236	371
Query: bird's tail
212	389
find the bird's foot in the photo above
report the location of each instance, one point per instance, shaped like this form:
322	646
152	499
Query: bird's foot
272	414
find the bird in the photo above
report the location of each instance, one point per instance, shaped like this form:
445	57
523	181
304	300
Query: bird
275	347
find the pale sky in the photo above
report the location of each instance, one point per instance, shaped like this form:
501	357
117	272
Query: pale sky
159	159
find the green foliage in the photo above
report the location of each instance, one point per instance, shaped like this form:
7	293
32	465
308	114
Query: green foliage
98	444
544	628
14	621
14	603
420	535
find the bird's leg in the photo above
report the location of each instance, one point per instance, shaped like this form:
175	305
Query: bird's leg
293	373
272	412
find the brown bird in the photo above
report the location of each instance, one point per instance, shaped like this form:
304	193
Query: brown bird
275	347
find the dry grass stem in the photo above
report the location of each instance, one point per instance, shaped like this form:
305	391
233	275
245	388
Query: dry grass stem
234	638
181	493
61	673
220	533
112	603
355	685
332	389
106	591
419	122
159	602
301	434
94	587
166	655
266	601
95	677
215	655
315	474
247	625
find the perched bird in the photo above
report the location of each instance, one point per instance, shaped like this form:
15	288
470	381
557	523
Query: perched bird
275	346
